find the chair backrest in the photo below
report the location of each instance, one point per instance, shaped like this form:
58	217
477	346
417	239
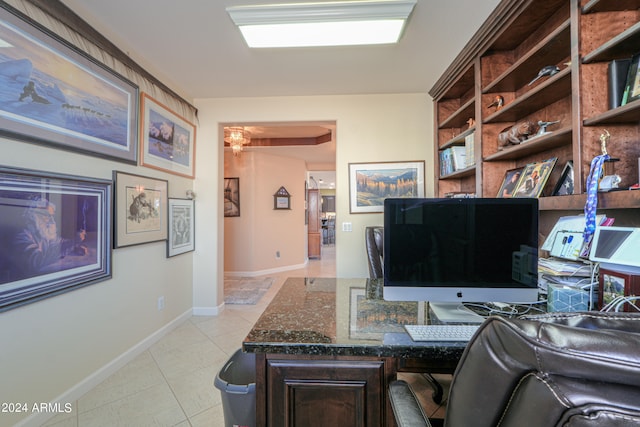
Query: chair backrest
374	238
568	369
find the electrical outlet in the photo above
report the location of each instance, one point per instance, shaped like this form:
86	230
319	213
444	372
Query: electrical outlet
160	303
277	254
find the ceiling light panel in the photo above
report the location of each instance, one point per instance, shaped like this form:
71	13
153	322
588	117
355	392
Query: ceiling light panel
322	24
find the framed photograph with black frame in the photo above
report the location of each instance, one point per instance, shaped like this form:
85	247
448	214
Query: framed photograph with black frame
181	227
632	88
167	140
371	183
564	186
231	197
140	209
55	95
56	234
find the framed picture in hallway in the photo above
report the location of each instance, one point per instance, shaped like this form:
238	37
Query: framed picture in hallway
140	209
56	95
371	183
167	140
56	234
181	227
232	197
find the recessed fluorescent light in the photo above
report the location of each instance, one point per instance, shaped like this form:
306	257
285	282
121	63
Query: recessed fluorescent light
322	24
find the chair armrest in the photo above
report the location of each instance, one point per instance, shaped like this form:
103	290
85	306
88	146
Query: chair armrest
406	408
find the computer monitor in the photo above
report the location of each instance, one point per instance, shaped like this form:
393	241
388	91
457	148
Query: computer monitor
461	249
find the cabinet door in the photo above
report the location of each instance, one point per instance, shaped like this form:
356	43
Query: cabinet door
318	393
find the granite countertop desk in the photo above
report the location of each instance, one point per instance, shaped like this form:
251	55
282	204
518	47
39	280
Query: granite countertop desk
342	317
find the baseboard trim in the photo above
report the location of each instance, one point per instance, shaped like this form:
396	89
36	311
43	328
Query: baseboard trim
84	386
265	272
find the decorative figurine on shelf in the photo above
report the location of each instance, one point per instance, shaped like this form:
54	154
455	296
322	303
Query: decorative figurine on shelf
517	133
498	102
544	125
549	70
609	179
471	122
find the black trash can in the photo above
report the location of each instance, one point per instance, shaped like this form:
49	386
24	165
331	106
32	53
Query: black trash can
237	384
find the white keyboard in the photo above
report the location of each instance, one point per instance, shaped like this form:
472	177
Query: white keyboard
447	332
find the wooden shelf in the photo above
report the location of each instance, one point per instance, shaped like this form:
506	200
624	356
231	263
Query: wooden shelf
623	45
629	113
534	145
460	117
623	199
549	51
552	90
461	173
458	139
610	6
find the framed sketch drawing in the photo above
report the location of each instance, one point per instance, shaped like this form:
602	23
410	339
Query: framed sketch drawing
55	95
181	227
232	197
167	141
140	209
56	234
371	183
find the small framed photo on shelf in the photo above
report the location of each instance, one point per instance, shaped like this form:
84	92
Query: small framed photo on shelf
632	88
564	186
614	285
533	178
140	209
181	227
511	178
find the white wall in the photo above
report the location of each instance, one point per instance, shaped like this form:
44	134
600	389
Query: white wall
55	348
370	128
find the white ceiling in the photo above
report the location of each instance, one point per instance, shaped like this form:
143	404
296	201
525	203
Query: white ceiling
193	47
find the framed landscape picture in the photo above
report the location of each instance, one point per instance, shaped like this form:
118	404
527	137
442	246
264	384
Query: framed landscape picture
56	234
55	95
371	183
181	227
167	141
140	209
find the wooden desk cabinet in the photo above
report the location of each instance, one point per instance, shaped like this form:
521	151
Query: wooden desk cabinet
323	391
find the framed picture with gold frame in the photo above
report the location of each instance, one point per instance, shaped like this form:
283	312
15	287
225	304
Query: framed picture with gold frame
533	178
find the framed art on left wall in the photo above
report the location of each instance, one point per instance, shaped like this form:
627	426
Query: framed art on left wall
140	209
56	234
55	95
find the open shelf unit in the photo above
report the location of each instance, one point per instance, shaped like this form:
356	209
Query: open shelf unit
580	38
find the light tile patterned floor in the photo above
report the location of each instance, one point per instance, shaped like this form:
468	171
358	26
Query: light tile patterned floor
171	384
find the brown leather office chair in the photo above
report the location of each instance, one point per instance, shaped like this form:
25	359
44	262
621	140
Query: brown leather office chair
563	369
374	239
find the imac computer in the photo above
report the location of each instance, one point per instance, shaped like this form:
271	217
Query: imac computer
461	250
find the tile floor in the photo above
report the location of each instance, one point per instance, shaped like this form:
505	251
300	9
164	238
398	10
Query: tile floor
171	383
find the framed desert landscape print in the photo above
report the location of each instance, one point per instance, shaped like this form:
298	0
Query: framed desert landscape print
371	183
140	209
56	234
167	140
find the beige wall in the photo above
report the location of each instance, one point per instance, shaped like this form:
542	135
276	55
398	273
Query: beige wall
59	347
263	239
370	128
